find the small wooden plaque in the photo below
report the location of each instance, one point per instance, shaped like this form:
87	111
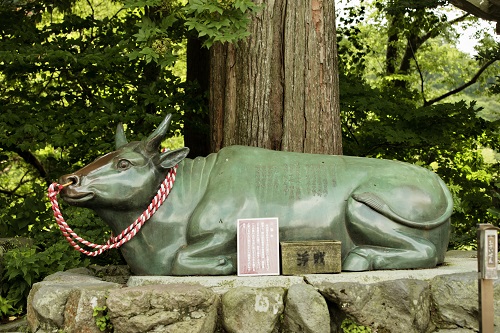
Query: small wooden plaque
310	257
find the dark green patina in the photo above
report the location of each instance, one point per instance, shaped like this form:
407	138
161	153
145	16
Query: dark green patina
388	214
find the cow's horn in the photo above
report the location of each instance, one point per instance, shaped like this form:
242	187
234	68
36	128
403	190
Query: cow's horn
120	138
154	140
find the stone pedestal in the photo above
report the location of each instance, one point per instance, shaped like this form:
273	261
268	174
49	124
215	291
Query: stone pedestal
442	299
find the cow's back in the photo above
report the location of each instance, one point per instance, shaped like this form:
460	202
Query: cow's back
307	192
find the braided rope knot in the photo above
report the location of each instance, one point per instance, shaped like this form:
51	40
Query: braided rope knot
126	235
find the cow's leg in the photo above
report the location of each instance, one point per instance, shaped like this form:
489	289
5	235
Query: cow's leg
382	243
209	255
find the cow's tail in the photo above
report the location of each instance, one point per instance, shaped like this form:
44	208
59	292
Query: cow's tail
373	201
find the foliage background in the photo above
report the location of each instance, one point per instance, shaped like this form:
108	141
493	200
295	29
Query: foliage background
70	70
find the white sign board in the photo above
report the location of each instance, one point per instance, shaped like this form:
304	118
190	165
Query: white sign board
258	247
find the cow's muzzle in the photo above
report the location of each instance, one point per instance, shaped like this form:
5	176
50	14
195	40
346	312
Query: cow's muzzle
73	193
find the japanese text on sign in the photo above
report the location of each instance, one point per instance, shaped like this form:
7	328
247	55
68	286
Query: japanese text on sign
489	254
303	258
491	251
258	246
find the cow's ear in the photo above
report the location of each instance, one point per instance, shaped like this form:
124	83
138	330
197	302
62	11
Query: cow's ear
170	158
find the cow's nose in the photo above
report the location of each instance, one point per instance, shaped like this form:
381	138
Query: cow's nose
70	180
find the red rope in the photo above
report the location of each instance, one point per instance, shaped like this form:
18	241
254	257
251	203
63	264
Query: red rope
125	235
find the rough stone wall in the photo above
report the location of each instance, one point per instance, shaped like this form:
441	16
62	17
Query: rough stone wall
447	303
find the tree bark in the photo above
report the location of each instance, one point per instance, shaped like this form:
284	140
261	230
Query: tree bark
196	130
278	89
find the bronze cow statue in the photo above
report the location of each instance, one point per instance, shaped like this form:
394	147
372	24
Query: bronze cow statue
387	214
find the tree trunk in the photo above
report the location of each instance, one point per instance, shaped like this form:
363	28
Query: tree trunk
391	54
278	89
196	129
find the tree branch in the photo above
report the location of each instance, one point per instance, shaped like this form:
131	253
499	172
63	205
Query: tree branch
32	160
421	77
13	191
436	30
414	42
465	85
12	194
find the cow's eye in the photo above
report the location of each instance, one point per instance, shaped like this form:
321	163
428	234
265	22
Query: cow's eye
123	164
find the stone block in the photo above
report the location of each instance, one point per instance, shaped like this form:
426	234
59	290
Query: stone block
65	301
46	307
310	257
219	284
79	309
250	310
173	308
456	303
306	311
390	306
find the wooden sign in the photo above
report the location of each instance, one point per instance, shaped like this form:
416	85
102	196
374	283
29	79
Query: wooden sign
311	257
258	247
487	256
488	251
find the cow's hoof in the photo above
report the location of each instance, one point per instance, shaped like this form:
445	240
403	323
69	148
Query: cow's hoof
225	266
356	262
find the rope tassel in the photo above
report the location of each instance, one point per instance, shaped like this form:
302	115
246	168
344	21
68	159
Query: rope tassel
126	235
